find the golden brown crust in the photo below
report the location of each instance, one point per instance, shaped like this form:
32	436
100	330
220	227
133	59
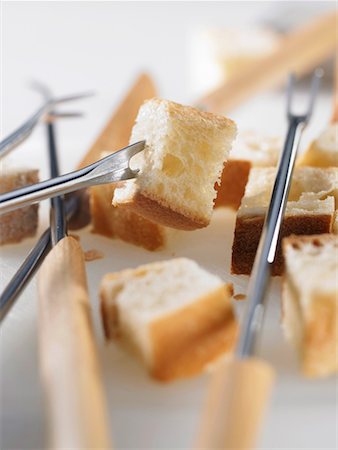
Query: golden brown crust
189	113
21	223
160	207
248	231
319	356
117	222
153	210
180	350
231	188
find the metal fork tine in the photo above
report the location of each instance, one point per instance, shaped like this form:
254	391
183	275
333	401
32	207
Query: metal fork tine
289	92
70	98
110	169
315	83
54	115
24	131
267	247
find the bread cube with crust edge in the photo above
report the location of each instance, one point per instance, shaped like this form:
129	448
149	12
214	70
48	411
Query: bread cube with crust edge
183	159
175	315
310	298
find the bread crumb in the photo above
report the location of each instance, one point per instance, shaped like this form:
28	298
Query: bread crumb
93	254
239	297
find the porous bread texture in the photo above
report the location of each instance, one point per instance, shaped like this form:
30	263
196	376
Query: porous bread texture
310	210
310	186
174	314
183	158
250	149
323	151
21	223
310	297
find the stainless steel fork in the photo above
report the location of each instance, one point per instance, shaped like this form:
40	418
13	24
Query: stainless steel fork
239	390
24	131
110	169
269	238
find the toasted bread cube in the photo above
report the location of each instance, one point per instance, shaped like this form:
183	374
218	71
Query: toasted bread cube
174	314
323	151
249	150
20	223
310	210
184	156
310	297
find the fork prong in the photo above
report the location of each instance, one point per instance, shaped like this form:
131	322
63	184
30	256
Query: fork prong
70	98
21	134
289	93
315	83
44	89
116	162
54	115
111	169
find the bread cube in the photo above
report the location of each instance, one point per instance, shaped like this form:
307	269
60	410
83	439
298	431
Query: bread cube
310	210
20	223
184	156
310	297
174	314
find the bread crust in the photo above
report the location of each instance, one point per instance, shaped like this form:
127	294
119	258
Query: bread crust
183	351
231	188
248	231
155	211
187	114
21	223
319	355
186	341
170	120
117	222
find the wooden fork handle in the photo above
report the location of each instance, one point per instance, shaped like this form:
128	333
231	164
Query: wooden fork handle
236	403
68	356
300	52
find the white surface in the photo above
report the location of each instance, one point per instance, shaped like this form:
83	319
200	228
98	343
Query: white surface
103	46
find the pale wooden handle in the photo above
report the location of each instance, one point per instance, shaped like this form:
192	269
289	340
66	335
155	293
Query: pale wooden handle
300	52
335	98
237	399
68	355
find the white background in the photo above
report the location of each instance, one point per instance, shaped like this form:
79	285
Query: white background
103	46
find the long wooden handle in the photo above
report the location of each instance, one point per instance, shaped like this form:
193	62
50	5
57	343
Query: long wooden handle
68	355
236	402
334	117
299	52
